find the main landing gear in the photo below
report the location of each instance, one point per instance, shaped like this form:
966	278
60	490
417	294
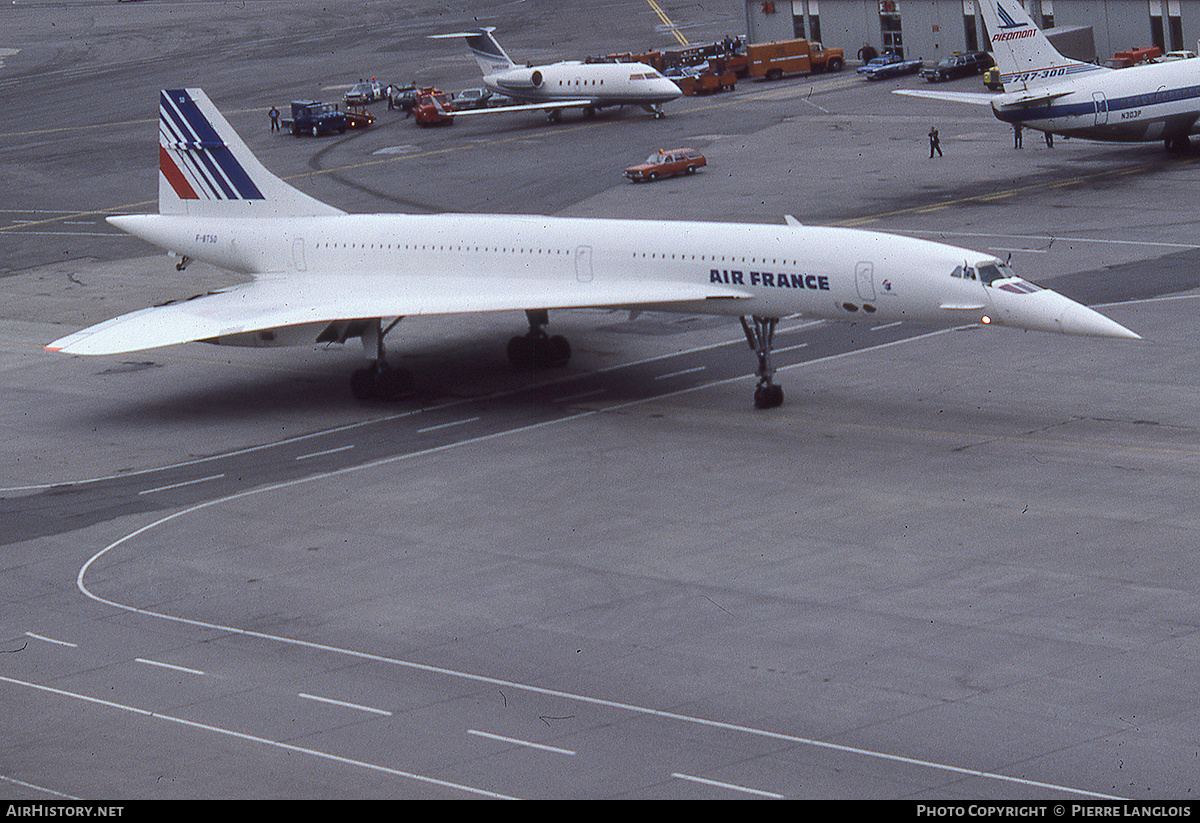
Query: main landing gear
760	336
379	381
536	348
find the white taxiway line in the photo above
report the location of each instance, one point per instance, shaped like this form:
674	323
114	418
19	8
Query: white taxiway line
256	739
447	425
51	640
517	742
167	666
735	787
325	452
343	703
680	373
184	483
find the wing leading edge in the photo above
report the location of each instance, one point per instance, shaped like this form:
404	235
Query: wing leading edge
286	301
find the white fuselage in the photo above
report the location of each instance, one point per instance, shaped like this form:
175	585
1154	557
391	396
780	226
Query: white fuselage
1142	103
775	270
607	84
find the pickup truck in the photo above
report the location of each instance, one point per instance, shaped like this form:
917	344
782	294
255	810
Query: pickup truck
432	108
316	118
890	65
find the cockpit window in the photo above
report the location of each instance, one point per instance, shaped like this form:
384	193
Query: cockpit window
965	272
991	271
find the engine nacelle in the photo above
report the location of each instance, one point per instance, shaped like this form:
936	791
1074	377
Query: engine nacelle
520	79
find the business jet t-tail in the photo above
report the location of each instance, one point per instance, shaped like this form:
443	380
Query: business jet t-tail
568	84
1046	91
319	275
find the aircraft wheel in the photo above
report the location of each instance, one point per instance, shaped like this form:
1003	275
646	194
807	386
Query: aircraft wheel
552	352
381	384
520	351
768	397
393	384
362	384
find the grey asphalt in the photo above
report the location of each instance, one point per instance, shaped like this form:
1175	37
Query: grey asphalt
957	563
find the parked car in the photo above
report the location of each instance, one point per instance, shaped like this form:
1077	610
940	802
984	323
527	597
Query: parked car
666	164
403	97
472	99
889	65
958	65
360	94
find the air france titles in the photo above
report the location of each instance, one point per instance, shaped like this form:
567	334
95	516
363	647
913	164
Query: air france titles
814	282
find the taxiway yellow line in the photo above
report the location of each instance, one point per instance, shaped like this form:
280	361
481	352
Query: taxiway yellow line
662	15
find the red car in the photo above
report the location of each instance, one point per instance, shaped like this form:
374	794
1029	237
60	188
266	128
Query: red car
432	107
666	163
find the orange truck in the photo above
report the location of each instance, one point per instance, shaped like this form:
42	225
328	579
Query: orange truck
775	59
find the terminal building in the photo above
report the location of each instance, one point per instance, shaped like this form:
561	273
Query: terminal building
930	30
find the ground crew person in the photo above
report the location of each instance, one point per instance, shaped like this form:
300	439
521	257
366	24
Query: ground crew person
274	118
934	143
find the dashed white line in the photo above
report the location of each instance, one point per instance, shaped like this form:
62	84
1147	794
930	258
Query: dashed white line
167	666
35	787
886	325
732	786
571	397
447	425
291	747
680	373
325	452
791	348
517	742
51	640
343	703
184	483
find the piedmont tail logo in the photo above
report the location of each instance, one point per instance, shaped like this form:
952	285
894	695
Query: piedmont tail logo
1007	24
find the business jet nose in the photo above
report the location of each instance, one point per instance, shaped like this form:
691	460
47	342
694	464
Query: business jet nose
1047	310
667	88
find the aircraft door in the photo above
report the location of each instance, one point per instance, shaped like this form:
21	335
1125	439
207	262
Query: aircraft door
864	280
583	264
298	253
1101	107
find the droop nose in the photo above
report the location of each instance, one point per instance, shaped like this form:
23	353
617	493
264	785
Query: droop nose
1047	310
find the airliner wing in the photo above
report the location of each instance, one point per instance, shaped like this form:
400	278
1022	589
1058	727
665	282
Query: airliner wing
270	303
984	99
974	98
577	103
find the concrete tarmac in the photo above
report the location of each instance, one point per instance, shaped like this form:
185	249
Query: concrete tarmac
956	564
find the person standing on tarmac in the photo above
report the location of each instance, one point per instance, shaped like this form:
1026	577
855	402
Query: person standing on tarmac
274	113
934	143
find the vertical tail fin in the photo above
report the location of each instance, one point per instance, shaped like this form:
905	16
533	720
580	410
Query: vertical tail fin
487	51
206	169
1025	56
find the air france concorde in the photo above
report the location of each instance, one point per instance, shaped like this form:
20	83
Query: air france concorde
320	275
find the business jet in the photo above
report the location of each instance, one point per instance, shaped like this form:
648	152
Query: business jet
1046	91
320	275
568	84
